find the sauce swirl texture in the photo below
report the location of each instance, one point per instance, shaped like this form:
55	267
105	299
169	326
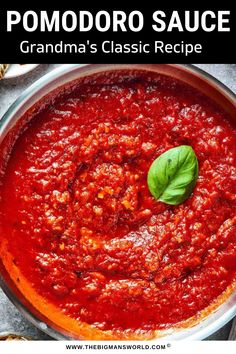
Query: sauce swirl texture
82	225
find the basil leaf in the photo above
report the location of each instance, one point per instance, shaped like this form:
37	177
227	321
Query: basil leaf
173	175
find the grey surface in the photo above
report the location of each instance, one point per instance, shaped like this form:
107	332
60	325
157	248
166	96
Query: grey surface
232	335
10	89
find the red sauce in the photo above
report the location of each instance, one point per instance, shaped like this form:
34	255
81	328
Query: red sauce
82	225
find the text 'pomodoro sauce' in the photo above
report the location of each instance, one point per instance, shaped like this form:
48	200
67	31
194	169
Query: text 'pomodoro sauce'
82	225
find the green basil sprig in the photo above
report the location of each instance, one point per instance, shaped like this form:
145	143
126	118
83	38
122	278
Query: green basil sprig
173	175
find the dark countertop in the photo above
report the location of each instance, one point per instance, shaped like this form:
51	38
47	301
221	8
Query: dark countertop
10	318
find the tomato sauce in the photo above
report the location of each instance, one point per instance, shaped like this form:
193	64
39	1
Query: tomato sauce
81	223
